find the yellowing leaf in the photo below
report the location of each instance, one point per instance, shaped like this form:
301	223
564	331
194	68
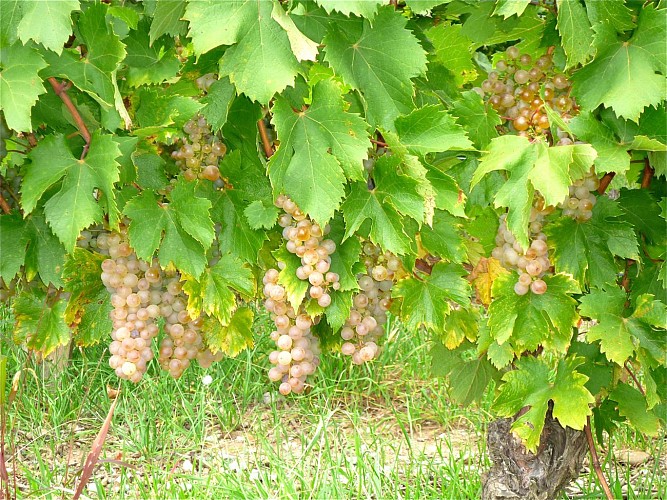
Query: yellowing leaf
485	273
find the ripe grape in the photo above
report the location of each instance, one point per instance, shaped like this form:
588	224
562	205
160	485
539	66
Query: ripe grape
581	198
201	149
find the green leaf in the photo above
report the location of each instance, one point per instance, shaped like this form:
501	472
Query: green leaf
213	292
479	120
260	61
613	12
575	31
454	51
47	22
95	72
11	12
232	338
532	166
386	226
468	376
448	195
40	324
443	238
12	245
586	250
217	102
294	287
149	64
319	148
89	305
150	170
339	310
261	216
533	384
182	229
167	19
45	254
642	211
363	8
625	75
383	76
632	405
529	321
612	155
236	236
618	334
19	84
429	130
345	260
425	300
74	206
507	8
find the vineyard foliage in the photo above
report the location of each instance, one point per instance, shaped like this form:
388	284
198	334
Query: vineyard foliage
491	173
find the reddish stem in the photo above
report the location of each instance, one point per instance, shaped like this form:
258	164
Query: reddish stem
605	181
379	143
4	205
596	461
634	377
61	91
647	175
266	142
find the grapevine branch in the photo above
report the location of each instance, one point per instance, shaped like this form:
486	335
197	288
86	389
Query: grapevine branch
634	377
4	205
61	91
647	175
266	142
596	461
605	181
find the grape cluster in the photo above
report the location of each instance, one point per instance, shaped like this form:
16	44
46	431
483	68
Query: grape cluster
368	315
531	264
305	239
580	201
298	350
200	152
513	90
10	184
205	81
140	294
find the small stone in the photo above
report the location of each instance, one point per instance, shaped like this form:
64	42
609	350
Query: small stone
632	457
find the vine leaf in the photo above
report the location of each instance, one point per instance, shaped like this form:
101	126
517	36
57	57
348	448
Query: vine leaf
213	292
20	86
218	102
319	148
618	334
476	118
232	338
625	76
532	166
533	384
89	306
484	275
469	376
167	19
508	8
426	301
430	130
260	215
586	250
632	405
39	324
363	8
182	229
454	51
47	22
149	64
295	288
95	73
442	238
379	60
74	206
575	31
259	60
529	321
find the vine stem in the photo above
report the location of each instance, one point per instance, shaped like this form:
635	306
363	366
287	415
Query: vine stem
4	205
634	377
266	142
61	91
605	181
596	461
647	175
379	143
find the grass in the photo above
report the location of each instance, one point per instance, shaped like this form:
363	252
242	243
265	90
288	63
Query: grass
382	431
